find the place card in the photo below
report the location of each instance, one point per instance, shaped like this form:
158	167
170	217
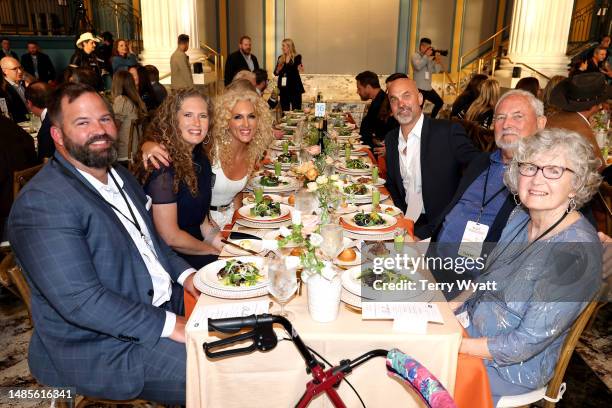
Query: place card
428	312
320	109
199	317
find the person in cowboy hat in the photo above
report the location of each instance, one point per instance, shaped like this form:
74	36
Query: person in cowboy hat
85	57
579	98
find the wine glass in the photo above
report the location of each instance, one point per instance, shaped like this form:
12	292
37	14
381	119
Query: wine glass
283	282
333	240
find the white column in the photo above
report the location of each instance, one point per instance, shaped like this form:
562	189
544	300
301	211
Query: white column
538	36
162	22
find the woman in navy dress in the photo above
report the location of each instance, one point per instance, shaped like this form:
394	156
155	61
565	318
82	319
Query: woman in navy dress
181	192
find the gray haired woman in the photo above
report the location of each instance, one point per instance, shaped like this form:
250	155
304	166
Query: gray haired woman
546	266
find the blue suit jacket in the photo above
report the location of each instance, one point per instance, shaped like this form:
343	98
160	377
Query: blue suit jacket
91	291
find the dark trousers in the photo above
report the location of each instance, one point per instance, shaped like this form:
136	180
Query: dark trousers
290	100
166	363
433	97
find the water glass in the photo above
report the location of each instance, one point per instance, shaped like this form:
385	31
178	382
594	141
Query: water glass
333	240
283	282
305	202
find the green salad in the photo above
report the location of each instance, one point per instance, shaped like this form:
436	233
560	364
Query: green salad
344	132
371	219
238	273
287	158
368	277
270	180
266	208
356	189
356	164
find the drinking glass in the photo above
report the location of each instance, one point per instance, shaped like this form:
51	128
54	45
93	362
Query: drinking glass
283	282
305	202
333	240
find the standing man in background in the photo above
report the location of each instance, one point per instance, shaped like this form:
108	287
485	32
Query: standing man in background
425	63
180	70
37	64
240	60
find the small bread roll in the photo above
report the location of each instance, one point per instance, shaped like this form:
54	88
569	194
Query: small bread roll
296	251
348	255
291	199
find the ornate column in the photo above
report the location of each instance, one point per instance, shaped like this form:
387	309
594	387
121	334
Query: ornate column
162	22
538	37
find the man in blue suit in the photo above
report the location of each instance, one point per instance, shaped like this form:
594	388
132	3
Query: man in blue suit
106	290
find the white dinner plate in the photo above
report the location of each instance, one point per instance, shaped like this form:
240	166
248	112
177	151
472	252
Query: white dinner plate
384	208
208	274
250	198
252	244
368	180
287	184
278	145
245	212
389	222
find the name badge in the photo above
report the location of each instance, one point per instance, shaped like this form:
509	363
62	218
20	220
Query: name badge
319	109
426	74
473	237
464	319
284	81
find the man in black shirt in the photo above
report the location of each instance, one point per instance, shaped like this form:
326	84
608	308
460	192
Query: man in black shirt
373	128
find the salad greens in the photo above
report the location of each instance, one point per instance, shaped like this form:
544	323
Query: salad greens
238	273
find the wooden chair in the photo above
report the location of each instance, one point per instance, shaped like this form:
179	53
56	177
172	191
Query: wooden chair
136	135
553	392
605	209
20	178
11	277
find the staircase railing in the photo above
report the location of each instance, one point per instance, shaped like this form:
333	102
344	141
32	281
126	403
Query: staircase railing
479	62
582	20
125	20
218	63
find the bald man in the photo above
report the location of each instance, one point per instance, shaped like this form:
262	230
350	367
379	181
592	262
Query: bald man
12	88
425	158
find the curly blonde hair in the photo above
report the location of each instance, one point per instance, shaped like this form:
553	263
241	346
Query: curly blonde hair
577	151
219	150
164	129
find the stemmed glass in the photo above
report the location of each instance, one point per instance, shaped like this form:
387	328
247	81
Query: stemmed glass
305	202
333	240
283	282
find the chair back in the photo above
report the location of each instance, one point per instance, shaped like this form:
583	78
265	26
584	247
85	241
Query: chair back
605	209
556	382
137	127
12	277
21	177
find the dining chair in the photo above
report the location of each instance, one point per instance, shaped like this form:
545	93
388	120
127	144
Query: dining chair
137	128
21	177
11	277
554	390
605	209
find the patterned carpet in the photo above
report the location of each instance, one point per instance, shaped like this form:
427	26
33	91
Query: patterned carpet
589	375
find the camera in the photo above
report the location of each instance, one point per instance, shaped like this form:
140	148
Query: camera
443	53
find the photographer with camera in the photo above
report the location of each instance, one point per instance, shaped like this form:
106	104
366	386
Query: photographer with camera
426	62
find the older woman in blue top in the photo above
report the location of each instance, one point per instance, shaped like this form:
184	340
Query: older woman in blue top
547	264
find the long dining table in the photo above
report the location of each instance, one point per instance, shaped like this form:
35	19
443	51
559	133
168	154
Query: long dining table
278	377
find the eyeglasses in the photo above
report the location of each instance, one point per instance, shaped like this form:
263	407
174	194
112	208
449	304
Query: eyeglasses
549	172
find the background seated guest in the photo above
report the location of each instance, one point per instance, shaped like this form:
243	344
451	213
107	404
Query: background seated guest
579	98
424	158
17	153
122	57
469	95
158	89
37	98
373	129
127	107
549	108
261	83
6	49
85	57
107	300
144	87
181	192
240	137
247	75
529	84
12	89
547	265
38	64
481	110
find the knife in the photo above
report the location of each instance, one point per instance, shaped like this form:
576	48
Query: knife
230	243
